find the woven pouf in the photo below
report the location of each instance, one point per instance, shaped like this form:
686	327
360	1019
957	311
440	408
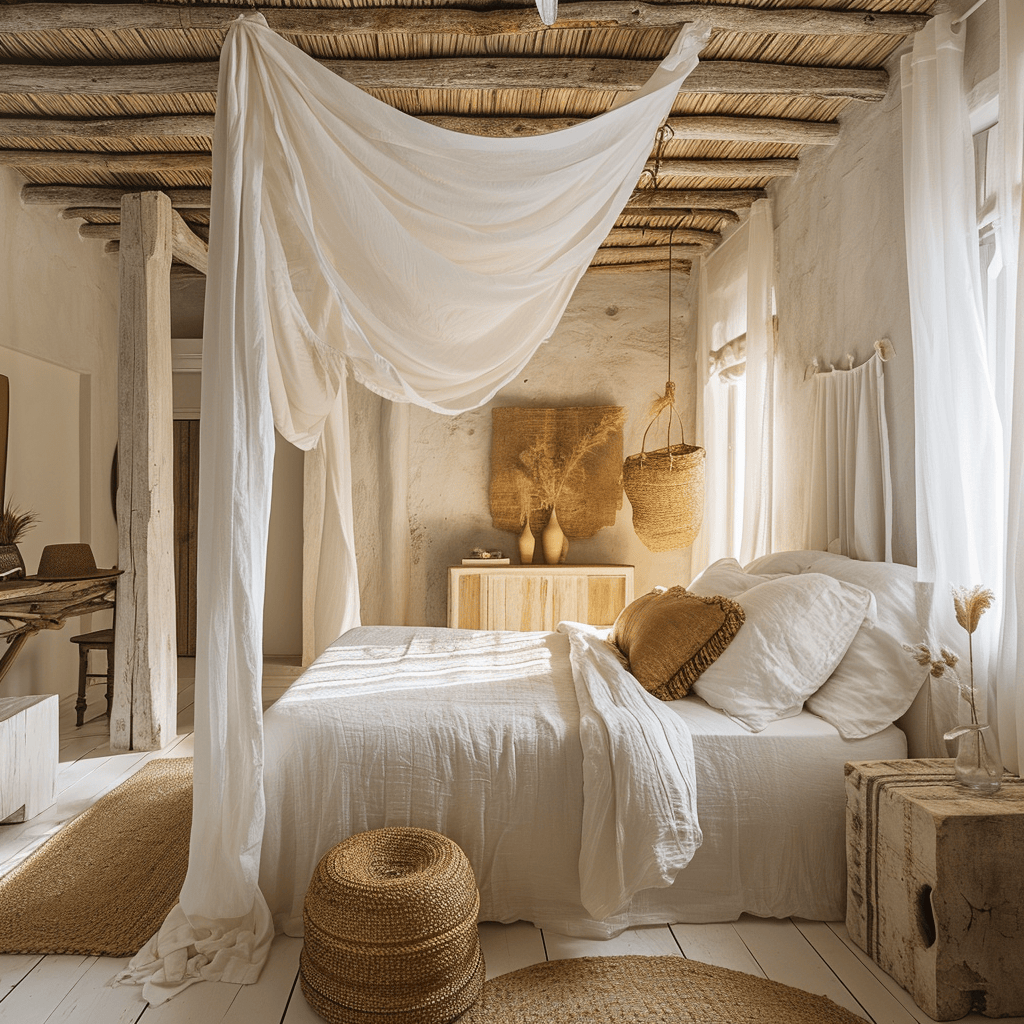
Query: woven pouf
390	930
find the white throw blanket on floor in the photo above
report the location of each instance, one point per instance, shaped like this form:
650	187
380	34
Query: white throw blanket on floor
569	788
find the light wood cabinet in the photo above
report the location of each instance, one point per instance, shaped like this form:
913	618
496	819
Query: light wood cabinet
536	597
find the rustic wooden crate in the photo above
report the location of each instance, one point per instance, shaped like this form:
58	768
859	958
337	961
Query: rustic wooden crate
28	756
935	890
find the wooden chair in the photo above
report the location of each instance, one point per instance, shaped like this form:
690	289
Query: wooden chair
98	640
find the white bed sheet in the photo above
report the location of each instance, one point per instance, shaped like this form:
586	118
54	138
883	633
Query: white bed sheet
772	808
771	804
566	784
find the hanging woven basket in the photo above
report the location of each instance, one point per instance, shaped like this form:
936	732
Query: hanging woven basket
666	486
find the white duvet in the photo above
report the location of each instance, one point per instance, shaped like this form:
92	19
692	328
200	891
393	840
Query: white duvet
568	787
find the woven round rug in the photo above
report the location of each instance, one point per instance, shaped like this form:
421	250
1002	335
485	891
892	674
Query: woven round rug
103	885
645	989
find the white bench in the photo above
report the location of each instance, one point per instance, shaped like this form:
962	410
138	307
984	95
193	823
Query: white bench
28	756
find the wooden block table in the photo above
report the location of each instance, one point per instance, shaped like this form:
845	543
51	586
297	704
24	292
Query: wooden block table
936	884
28	756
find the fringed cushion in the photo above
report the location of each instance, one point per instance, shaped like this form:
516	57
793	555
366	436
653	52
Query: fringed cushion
669	637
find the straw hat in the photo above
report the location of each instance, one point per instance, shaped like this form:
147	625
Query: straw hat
61	562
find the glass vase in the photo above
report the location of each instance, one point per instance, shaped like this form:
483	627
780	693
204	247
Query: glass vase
978	765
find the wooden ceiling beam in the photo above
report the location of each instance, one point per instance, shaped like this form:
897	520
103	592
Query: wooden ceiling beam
649	199
200	126
139	163
116	163
660	237
678	266
489	73
724	168
91	213
646	253
27	19
632	209
721	203
107	198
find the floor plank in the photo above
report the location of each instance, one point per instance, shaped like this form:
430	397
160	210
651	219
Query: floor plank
896	990
43	989
93	1000
13	968
508	947
652	940
717	944
266	1001
786	956
881	1005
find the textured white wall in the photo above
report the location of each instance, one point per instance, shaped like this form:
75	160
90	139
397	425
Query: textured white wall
58	305
609	349
842	284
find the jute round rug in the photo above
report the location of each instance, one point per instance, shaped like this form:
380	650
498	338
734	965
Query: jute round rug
103	885
643	989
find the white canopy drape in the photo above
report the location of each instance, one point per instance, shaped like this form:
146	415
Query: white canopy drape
849	511
347	237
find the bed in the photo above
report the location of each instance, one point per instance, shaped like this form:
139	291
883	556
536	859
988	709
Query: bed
585	804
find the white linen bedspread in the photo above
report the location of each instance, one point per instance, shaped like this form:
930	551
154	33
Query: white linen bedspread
568	787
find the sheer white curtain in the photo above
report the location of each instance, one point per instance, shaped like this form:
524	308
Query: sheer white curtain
735	423
347	237
968	386
850	492
1006	329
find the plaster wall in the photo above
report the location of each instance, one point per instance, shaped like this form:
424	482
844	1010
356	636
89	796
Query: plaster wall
58	304
609	349
841	285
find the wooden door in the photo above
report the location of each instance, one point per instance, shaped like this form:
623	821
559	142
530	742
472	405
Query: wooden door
186	514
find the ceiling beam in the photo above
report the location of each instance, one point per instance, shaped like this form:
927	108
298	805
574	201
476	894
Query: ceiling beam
645	253
724	168
501	73
648	199
632	209
137	163
666	200
108	198
116	163
660	237
678	266
91	213
200	126
25	19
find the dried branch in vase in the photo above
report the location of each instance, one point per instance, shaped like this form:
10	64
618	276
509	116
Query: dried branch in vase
554	474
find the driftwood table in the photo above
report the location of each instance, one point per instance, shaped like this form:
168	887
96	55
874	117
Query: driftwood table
28	606
936	892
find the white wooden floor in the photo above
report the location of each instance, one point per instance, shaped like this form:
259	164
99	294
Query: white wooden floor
811	955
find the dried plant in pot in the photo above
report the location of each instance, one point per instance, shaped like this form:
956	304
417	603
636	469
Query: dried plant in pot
14	524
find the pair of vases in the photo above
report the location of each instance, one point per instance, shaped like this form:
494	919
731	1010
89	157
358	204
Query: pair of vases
553	542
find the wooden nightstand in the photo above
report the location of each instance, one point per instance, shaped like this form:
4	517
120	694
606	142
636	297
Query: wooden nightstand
936	884
536	597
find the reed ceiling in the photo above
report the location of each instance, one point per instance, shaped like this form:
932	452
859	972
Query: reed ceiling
99	99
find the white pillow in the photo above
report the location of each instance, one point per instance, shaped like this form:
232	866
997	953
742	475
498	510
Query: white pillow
877	680
796	632
726	578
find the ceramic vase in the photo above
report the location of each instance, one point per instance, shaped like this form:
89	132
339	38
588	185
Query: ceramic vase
527	544
978	765
553	541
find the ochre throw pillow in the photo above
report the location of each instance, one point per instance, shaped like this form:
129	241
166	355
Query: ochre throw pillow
669	637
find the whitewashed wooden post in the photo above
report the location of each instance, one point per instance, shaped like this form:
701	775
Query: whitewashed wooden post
145	657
